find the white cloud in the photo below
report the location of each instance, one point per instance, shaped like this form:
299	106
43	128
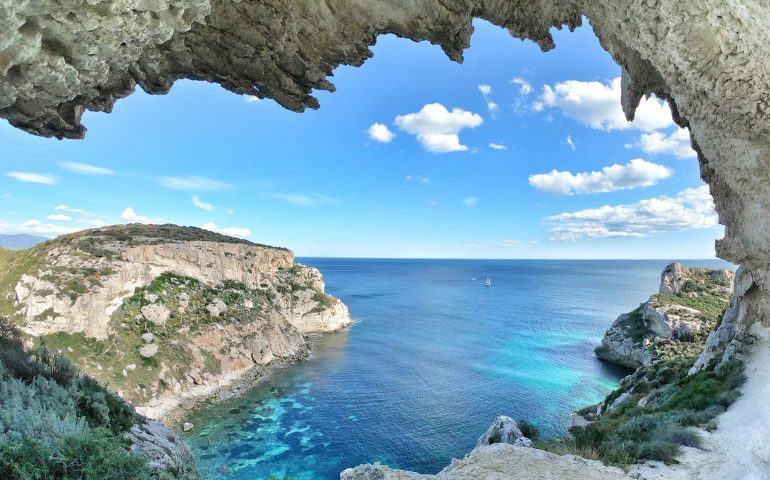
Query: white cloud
678	143
470	201
437	129
598	106
524	86
33	178
35	227
130	215
635	174
311	200
251	99
692	208
59	218
241	232
192	182
196	200
497	146
86	169
82	217
230	211
570	143
380	133
410	178
485	89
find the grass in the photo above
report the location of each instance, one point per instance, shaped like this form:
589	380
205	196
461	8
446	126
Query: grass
675	401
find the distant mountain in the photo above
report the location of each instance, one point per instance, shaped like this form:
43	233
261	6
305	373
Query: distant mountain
20	241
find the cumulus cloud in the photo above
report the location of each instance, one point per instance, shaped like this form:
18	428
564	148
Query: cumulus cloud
310	200
192	182
692	208
497	146
241	232
570	143
380	133
59	218
35	227
635	174
196	200
485	89
677	144
29	177
470	201
437	129
131	216
598	106
524	86
251	99
86	169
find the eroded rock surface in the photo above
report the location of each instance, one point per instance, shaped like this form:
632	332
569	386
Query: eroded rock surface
189	310
676	320
500	461
164	450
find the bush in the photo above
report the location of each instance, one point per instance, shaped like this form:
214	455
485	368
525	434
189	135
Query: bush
529	430
56	424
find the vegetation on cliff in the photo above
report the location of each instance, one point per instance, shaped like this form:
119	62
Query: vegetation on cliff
57	424
649	416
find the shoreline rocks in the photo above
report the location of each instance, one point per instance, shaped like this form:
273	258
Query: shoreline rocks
678	317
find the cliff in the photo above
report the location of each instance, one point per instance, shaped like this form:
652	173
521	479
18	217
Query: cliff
165	314
674	322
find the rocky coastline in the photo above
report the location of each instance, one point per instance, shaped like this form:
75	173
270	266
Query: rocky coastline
168	317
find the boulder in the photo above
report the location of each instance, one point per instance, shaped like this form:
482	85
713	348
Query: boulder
149	350
187	426
156	313
148	337
216	308
150	297
504	430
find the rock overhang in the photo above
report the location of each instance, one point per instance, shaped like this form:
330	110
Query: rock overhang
708	58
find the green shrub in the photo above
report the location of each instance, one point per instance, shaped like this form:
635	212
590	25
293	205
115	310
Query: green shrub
528	429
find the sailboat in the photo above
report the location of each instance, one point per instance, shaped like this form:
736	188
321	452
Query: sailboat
488	282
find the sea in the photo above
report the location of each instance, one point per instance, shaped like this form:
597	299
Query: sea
433	358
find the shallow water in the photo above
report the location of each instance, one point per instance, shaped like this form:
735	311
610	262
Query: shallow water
433	358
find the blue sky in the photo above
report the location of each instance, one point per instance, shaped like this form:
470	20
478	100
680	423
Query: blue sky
513	154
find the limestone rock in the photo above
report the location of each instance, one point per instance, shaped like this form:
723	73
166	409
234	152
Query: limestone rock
148	337
504	430
187	426
150	297
577	420
163	449
499	461
149	350
156	313
216	308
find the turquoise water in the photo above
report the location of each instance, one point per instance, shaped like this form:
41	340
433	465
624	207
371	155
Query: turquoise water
433	358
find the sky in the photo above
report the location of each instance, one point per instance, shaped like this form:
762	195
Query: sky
514	153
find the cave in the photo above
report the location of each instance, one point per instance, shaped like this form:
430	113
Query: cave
708	59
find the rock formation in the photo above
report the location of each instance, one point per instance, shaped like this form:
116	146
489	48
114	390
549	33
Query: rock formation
504	430
165	313
687	308
499	461
709	59
164	450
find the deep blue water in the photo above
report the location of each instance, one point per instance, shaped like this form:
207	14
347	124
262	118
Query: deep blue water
433	358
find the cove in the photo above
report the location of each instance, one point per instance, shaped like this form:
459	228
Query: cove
433	358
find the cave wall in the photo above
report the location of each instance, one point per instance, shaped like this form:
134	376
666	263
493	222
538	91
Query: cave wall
709	58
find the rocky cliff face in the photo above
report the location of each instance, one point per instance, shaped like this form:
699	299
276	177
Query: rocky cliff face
673	322
166	314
